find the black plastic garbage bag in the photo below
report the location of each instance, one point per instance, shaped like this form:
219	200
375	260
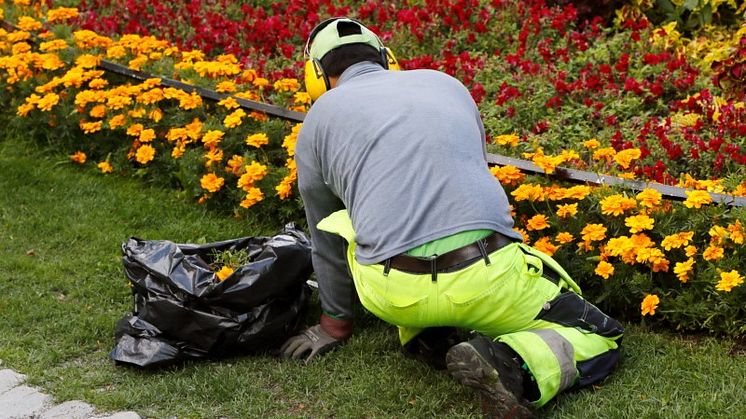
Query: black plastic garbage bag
181	311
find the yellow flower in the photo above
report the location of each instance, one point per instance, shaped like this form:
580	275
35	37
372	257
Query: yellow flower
507	175
649	304
191	101
225	87
565	237
78	157
591	144
213	155
284	189
528	191
624	158
736	232
61	13
649	255
729	280
156	115
675	241
567	210
27	23
695	199
105	167
24	109
593	232
537	222
98	111
606	154
116	121
229	103
649	198
253	195
224	272
616	204
147	135
91	127
212	138
682	269
506	139
234	119
287	85
604	269
54	45
690	251
254	172
638	223
47	102
718	234
211	182
577	192
145	154
134	130
235	164
545	245
87	61
260	82
713	253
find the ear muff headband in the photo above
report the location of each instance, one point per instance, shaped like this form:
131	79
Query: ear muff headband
316	80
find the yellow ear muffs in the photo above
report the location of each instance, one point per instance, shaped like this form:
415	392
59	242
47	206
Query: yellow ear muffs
317	83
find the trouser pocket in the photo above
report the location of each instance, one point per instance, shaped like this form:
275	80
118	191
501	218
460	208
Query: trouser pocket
570	309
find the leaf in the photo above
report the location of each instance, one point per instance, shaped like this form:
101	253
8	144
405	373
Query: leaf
690	4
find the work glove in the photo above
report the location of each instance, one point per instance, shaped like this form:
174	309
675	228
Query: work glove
317	340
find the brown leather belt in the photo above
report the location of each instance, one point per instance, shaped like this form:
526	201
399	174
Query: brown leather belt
450	261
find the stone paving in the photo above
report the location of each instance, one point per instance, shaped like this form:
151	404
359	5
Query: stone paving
19	401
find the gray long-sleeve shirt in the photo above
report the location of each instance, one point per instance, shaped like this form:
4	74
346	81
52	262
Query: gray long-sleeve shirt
404	152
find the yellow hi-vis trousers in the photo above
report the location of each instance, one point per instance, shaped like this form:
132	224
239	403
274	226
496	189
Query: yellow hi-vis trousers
508	300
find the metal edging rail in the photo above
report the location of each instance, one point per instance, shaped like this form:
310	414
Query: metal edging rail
570	175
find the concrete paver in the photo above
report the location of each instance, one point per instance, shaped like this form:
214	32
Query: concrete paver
18	401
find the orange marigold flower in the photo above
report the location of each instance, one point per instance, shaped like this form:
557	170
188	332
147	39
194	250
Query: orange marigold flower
145	154
649	198
223	273
528	191
229	103
565	237
682	269
105	167
537	222
213	155
675	241
47	102
729	280
134	130
287	85
592	143
211	182
545	245
606	154
625	157
616	204
593	232
116	121
285	188
577	192
649	304
225	87
713	253
191	101
522	232
690	251
235	164
253	195
260	82
257	140
507	175
567	210
61	13
638	223
736	232
234	119
695	199
212	138
147	135
506	139
604	269
91	127
78	157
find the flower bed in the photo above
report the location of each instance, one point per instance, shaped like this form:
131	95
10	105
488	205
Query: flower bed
621	100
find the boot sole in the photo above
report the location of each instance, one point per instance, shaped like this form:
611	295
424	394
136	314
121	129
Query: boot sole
469	368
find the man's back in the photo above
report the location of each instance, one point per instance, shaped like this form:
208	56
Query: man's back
404	151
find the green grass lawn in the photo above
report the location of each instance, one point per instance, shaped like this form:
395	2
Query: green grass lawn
62	289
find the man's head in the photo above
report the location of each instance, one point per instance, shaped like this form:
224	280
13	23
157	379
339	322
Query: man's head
336	44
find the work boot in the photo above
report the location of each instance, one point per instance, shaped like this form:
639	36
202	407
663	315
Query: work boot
491	368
